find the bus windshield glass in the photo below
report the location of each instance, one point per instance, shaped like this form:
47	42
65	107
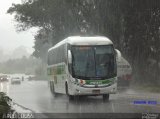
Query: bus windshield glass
91	62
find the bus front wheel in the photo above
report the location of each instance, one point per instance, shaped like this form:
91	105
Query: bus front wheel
105	97
71	97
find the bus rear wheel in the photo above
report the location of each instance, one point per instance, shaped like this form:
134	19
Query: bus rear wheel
52	89
106	97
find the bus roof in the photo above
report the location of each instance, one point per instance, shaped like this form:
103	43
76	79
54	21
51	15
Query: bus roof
78	40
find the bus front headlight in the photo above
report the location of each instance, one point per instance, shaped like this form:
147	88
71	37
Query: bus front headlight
82	82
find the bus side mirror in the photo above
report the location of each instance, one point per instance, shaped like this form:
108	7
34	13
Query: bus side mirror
69	57
118	54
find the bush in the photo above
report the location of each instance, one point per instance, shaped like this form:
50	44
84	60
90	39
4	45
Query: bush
5	106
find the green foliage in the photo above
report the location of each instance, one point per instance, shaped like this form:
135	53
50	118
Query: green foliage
4	104
4	100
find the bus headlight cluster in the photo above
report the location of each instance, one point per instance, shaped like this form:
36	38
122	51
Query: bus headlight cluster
79	81
82	82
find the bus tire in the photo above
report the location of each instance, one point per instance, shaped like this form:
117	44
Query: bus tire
71	97
50	86
52	89
106	97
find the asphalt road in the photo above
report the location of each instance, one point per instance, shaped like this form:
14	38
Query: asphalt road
36	96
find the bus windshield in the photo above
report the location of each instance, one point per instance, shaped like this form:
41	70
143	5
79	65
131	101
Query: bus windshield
91	62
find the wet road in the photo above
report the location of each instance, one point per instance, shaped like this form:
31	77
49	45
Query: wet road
36	96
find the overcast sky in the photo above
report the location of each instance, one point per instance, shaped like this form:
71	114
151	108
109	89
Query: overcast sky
9	38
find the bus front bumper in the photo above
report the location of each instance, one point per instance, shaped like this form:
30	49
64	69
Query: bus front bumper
79	90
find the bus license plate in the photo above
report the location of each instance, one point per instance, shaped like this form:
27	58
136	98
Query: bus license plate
96	91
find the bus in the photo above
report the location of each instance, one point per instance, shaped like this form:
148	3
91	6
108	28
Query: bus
83	66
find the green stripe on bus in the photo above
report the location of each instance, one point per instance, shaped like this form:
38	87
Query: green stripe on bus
93	82
57	70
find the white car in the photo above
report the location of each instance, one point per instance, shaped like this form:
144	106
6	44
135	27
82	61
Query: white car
3	78
15	80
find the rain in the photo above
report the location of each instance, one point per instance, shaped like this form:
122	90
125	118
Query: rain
80	59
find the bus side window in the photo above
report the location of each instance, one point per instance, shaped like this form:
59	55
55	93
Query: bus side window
56	56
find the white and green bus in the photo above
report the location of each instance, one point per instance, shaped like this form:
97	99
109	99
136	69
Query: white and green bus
83	66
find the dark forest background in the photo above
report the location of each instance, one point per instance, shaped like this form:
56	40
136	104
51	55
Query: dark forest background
133	26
